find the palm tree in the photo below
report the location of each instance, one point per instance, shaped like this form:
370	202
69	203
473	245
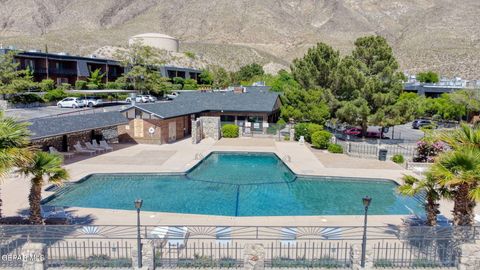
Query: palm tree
44	166
465	136
14	146
459	171
433	193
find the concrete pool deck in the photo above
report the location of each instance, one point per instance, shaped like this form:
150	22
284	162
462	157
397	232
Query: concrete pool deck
182	155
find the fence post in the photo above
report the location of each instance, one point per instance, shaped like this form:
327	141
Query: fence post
292	133
254	257
148	256
34	256
356	257
470	257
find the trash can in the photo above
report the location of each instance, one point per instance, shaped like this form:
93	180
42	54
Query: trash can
382	154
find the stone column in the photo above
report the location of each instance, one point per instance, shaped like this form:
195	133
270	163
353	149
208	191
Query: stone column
34	256
148	256
470	257
356	257
254	257
292	134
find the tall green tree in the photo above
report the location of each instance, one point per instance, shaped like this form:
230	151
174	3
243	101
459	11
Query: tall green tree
247	72
431	188
43	167
96	77
14	146
428	77
315	68
379	87
142	63
13	80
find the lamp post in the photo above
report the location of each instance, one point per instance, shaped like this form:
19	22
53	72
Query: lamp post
138	205
366	202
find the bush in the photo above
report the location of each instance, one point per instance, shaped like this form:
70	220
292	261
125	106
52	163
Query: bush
230	131
112	85
65	86
335	148
81	85
321	139
190	54
92	86
47	85
286	138
306	130
26	99
190	84
398	158
55	95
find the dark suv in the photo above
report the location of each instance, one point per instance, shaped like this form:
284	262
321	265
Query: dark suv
418	123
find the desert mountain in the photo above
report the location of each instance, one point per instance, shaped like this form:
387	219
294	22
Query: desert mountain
441	35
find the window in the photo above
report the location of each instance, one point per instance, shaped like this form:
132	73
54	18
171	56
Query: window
227	118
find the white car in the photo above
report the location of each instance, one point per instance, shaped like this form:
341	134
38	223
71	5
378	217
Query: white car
71	102
151	98
92	101
172	95
139	98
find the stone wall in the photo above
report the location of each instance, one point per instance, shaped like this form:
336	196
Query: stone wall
206	127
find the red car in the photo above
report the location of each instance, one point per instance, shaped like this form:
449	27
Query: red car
355	131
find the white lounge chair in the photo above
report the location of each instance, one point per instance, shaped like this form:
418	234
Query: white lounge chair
105	145
177	236
223	235
58	212
54	150
289	236
96	145
79	149
91	147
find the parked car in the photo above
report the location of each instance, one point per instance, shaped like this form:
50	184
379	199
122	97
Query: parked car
355	131
172	95
71	102
92	101
139	98
418	123
151	98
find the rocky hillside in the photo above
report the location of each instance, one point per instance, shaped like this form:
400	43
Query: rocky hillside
426	34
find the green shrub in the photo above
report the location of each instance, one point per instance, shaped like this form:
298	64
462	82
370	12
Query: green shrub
286	138
190	54
55	95
178	80
383	263
112	85
398	158
321	139
26	99
281	122
81	85
47	85
306	130
335	148
190	84
230	131
65	86
92	86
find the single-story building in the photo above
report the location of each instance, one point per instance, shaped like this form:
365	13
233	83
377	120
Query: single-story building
62	132
166	122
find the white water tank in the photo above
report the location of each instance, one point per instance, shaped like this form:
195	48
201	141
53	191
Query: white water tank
156	40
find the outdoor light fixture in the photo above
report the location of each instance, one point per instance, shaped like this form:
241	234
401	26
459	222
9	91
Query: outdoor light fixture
138	204
366	203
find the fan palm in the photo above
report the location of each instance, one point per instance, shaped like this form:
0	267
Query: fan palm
44	166
433	193
459	171
465	136
14	142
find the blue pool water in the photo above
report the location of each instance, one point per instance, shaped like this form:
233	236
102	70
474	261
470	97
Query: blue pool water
237	184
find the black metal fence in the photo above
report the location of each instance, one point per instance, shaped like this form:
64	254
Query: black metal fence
223	247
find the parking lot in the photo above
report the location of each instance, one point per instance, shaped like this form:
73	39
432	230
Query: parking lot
39	112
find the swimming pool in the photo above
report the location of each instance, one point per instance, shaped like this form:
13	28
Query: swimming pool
237	184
